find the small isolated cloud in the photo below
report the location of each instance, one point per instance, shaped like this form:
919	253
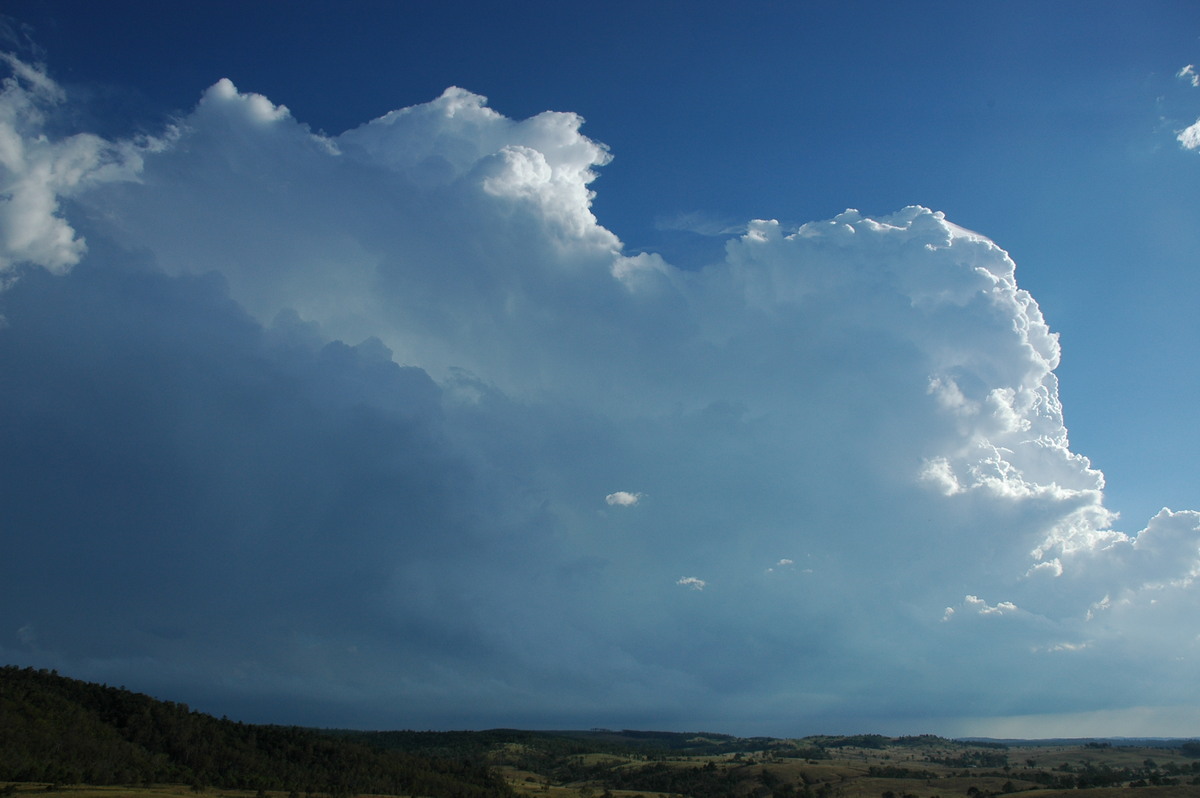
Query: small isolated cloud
983	608
1189	137
692	582
782	564
977	606
623	498
1066	646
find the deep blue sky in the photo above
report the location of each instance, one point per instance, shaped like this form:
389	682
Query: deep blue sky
766	407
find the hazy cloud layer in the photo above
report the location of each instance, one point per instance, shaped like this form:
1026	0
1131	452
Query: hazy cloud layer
327	430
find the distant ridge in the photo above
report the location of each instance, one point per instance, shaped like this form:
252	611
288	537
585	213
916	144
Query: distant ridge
1154	742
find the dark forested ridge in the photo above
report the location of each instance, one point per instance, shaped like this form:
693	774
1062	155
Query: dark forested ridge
55	729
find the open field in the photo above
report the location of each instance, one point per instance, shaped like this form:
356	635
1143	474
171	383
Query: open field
941	769
934	769
45	790
42	790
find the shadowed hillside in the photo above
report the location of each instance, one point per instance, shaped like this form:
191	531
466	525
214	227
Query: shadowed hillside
55	729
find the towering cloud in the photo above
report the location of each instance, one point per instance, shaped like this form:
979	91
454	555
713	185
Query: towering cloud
320	426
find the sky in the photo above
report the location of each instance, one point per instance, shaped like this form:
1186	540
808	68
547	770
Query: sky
780	369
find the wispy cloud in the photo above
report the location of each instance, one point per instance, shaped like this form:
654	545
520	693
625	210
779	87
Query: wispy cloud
700	223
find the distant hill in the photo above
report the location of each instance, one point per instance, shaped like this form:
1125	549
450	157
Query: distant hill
55	729
1187	743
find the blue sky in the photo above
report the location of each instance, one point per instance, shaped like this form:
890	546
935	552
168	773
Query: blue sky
398	425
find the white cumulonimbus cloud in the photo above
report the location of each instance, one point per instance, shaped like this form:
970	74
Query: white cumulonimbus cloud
395	363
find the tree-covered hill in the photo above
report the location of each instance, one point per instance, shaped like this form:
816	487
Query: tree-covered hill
55	729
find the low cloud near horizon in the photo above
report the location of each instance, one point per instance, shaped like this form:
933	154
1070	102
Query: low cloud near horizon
315	429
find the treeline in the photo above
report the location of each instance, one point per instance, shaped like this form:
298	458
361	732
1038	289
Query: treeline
971	759
879	741
662	778
60	730
551	746
1100	775
536	749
